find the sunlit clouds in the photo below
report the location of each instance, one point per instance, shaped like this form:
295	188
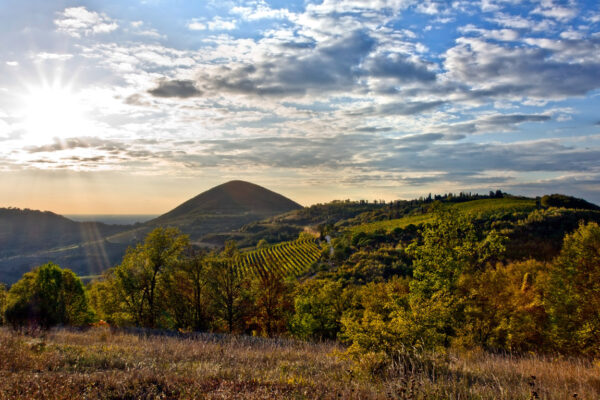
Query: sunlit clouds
318	100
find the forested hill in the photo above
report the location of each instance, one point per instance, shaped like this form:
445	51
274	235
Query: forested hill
366	246
220	212
233	197
24	231
30	237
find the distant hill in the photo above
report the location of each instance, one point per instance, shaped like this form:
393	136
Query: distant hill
231	198
27	230
534	228
481	209
29	238
217	213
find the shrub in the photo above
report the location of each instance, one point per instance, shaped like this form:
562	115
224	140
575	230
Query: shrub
48	296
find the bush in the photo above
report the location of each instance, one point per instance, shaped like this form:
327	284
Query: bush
48	296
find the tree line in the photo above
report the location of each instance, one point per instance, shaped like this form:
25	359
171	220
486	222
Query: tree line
447	285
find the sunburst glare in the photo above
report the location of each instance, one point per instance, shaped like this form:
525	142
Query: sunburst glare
52	111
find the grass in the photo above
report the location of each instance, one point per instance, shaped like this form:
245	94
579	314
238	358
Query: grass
100	364
477	209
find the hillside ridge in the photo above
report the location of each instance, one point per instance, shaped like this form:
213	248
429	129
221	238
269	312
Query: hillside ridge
233	197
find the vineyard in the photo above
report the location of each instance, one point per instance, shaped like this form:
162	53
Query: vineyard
284	259
484	208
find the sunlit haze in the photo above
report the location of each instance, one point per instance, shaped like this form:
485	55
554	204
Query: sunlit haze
132	107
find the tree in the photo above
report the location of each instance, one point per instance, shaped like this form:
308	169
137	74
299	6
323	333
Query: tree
273	303
573	296
228	289
48	296
108	301
186	293
319	305
378	323
139	279
450	248
2	302
504	307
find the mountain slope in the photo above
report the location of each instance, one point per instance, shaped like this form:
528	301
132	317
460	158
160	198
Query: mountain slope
29	238
23	231
231	198
222	209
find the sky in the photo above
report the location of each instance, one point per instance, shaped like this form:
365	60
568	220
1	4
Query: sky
132	107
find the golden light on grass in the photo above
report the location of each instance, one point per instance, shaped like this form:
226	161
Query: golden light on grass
102	363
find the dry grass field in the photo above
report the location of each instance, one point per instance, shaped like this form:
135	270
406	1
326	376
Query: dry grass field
100	364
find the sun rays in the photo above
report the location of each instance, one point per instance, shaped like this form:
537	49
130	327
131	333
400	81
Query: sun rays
52	111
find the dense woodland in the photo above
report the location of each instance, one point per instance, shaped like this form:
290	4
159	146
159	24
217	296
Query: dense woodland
505	280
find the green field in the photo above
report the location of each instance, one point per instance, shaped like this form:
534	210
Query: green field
476	209
284	259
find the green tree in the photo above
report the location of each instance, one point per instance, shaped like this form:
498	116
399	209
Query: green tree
378	322
450	248
108	301
186	293
319	305
2	302
573	297
228	288
48	296
527	324
139	279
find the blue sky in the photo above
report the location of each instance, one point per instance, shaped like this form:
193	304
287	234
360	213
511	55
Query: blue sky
135	106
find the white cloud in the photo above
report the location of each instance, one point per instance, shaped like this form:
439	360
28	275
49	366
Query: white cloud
489	5
430	8
78	21
52	56
571	35
353	6
258	10
507	35
547	8
216	24
496	5
4	129
196	25
519	22
547	69
593	17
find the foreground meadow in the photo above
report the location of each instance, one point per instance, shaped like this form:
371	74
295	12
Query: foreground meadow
98	363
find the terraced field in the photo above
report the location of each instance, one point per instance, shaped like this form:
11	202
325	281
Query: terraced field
477	209
285	259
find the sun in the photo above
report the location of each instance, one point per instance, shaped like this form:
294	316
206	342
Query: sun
52	112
